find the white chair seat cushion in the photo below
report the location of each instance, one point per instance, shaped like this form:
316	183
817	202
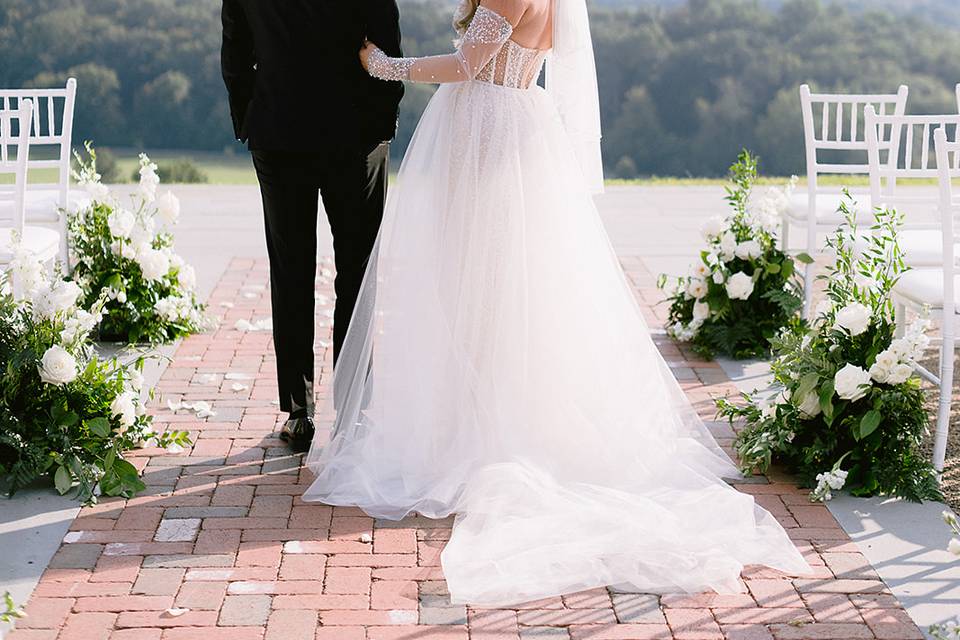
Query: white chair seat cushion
922	247
43	243
828	208
924	287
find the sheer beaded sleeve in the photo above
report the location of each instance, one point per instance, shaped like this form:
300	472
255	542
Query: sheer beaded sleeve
480	44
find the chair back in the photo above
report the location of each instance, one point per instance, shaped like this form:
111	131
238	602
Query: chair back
901	148
14	152
51	131
831	124
948	172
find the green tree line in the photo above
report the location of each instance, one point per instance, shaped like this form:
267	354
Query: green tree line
683	83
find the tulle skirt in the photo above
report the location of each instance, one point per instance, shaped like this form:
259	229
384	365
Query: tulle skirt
498	368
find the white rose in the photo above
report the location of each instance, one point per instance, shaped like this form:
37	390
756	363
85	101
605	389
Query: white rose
154	264
124	407
728	246
748	250
900	374
57	366
810	407
718	277
740	286
712	228
121	223
879	373
852	382
954	546
168	208
701	311
855	318
78	326
697	288
187	277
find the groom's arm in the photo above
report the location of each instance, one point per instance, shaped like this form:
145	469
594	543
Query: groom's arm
383	28
237	60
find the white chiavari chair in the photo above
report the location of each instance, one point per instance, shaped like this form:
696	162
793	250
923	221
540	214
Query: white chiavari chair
14	151
835	145
900	154
931	290
51	141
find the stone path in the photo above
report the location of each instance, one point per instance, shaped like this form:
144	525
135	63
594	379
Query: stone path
220	546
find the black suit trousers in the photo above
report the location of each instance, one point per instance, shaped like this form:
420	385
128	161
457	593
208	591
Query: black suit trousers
353	185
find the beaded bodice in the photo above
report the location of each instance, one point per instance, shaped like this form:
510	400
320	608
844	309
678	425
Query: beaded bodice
513	66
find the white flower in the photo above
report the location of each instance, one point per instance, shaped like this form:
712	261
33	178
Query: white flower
168	208
900	374
97	191
154	264
57	366
27	274
712	228
879	373
697	288
187	277
728	246
149	180
718	277
749	250
740	286
51	301
134	380
701	311
810	407
852	382
176	261
954	546
143	231
124	407
827	483
855	318
121	223
78	326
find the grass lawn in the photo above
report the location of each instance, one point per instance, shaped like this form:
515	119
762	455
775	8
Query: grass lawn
237	169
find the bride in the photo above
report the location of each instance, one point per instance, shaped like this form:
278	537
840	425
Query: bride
498	367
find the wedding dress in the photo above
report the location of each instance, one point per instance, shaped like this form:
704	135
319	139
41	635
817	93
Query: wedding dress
498	366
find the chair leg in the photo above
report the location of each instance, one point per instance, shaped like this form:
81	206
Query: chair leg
946	395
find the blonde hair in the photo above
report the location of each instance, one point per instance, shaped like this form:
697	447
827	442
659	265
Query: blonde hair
465	15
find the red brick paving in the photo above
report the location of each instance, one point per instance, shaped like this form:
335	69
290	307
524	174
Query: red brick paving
253	562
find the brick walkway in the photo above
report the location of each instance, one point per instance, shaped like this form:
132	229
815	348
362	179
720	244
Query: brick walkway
221	547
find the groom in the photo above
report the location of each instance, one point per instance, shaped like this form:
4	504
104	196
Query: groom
317	125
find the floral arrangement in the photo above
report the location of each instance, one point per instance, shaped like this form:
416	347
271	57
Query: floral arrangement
951	629
846	409
63	411
742	289
128	253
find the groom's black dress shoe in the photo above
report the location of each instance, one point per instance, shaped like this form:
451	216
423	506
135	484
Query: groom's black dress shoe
298	433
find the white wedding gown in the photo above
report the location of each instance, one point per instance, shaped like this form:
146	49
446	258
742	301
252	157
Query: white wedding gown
498	367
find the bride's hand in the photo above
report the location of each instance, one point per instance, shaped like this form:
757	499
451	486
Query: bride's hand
368	48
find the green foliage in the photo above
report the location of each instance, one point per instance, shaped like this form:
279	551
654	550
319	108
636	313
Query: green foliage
138	307
10	611
816	416
77	422
742	252
681	81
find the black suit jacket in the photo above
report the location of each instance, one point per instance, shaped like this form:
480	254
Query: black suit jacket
294	76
